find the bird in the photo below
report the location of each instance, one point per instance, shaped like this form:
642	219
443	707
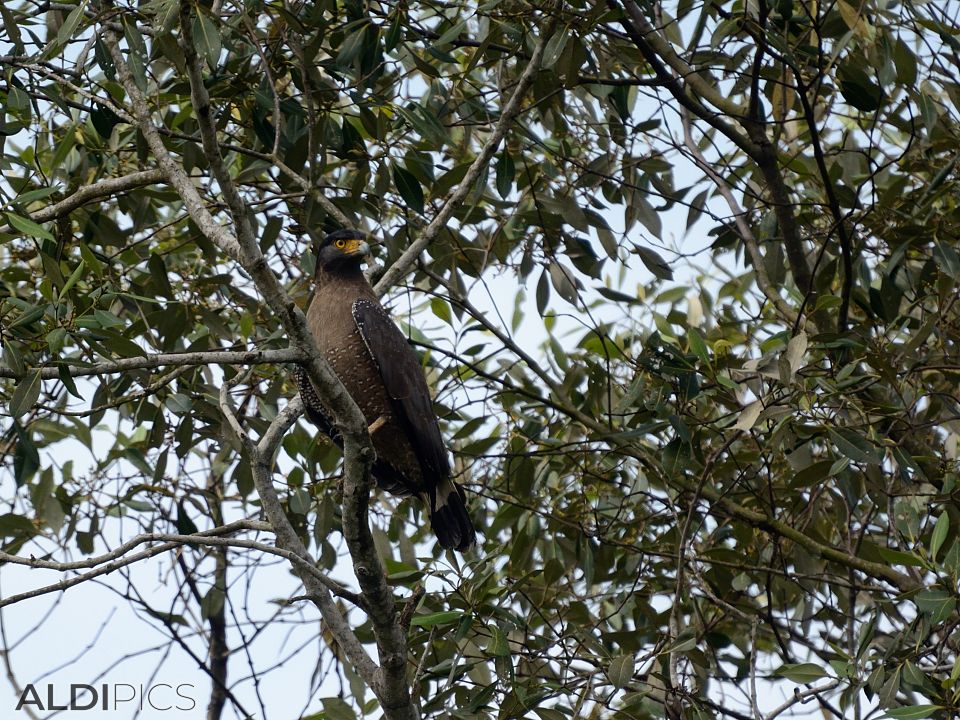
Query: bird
382	373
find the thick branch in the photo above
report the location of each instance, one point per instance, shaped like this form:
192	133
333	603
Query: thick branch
769	164
174	173
678	90
208	136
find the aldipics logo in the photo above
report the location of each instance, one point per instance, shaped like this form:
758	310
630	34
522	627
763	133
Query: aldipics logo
108	696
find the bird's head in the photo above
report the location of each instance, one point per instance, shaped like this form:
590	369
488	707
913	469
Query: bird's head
342	250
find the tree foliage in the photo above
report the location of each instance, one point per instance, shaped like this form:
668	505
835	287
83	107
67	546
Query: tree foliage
683	277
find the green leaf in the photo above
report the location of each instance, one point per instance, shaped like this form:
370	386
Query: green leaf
25	395
10	25
29	316
858	88
940	531
300	501
13	525
554	48
26	459
505	174
801	672
132	35
426	124
136	54
438	618
938	604
179	403
207	39
165	617
914	712
898	557
645	212
749	416
617	296
70	24
29	227
351	48
905	62
337	709
56	339
18	103
91	260
185	525
654	263
67	379
698	346
855	446
498	646
451	34
395	33
563	282
442	310
621	670
212	603
409	188
74	278
543	293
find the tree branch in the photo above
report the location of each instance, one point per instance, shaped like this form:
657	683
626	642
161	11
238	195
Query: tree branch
696	82
479	164
207	357
245	251
101	189
118	558
743	228
261	467
657	51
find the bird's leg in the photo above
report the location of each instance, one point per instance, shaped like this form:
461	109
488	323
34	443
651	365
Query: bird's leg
377	424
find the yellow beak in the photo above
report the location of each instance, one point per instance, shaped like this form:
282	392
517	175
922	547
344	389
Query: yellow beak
357	247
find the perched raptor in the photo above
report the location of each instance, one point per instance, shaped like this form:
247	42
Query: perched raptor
382	373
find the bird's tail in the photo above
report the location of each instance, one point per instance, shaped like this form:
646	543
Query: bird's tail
448	516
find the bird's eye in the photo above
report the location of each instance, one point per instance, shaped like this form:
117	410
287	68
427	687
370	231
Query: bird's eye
341	244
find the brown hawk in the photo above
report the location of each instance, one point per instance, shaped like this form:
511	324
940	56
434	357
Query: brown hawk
382	373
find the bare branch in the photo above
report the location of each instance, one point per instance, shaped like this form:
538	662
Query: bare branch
207	357
118	558
319	592
126	547
801	696
88	193
270	440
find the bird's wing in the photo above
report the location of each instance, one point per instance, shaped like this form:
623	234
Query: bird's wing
313	407
403	379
